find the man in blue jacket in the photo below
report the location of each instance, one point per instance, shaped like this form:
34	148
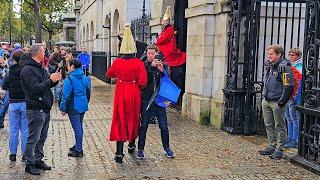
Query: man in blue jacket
84	58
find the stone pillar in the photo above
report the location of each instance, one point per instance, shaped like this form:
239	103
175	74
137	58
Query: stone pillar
206	61
65	33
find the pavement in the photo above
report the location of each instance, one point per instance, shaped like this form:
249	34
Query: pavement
202	152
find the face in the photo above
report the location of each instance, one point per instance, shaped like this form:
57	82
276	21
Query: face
151	54
44	45
63	52
41	53
1	60
165	22
83	49
272	56
293	57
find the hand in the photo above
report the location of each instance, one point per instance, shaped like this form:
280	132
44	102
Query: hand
63	113
160	66
154	63
55	77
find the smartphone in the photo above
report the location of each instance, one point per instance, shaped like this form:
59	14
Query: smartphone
59	69
159	57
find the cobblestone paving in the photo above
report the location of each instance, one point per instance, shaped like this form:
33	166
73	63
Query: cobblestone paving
202	151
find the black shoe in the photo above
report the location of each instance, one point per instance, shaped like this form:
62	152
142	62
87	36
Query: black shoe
277	154
73	148
153	120
42	165
13	157
267	151
23	158
75	153
31	169
1	126
119	158
131	148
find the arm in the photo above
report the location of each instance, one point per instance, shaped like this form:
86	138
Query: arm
29	76
5	85
288	86
112	71
165	36
65	95
142	77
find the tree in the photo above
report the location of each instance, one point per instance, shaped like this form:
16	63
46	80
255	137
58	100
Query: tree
47	14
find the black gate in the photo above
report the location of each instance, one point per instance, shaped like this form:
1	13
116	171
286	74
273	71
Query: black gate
141	29
253	26
309	138
100	65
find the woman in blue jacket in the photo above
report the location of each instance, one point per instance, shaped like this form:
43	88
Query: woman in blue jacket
74	102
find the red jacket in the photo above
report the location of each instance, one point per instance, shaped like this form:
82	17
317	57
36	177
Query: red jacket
167	44
131	77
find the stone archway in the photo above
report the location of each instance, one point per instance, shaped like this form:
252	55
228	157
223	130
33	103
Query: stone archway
107	23
92	36
115	32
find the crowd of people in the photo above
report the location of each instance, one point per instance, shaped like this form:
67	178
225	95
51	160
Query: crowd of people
33	79
29	76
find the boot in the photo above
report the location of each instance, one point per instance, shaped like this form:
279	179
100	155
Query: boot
31	169
131	147
119	154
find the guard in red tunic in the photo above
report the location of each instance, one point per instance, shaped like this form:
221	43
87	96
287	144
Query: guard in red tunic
131	77
175	58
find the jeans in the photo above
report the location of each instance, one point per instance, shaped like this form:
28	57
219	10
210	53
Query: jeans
274	122
18	121
77	125
37	135
161	115
293	119
4	106
56	91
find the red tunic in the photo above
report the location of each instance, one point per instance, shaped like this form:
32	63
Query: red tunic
167	44
131	77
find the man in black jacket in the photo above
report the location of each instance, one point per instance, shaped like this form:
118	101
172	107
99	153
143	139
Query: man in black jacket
155	69
36	84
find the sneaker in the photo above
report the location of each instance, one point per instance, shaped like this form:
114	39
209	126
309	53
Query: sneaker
119	158
140	154
31	169
13	157
291	144
75	153
277	154
23	158
169	153
267	151
42	165
72	148
131	147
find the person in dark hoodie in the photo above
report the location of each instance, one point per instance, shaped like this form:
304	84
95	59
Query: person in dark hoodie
18	120
36	84
74	102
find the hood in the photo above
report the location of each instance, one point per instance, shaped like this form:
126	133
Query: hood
77	73
15	69
26	59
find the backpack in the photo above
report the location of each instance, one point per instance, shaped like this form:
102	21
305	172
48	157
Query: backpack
297	90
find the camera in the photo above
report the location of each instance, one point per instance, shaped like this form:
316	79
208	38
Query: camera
159	56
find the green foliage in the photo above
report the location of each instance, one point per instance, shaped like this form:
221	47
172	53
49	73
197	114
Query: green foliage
51	19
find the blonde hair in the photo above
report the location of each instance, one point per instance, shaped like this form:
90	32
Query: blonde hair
296	51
